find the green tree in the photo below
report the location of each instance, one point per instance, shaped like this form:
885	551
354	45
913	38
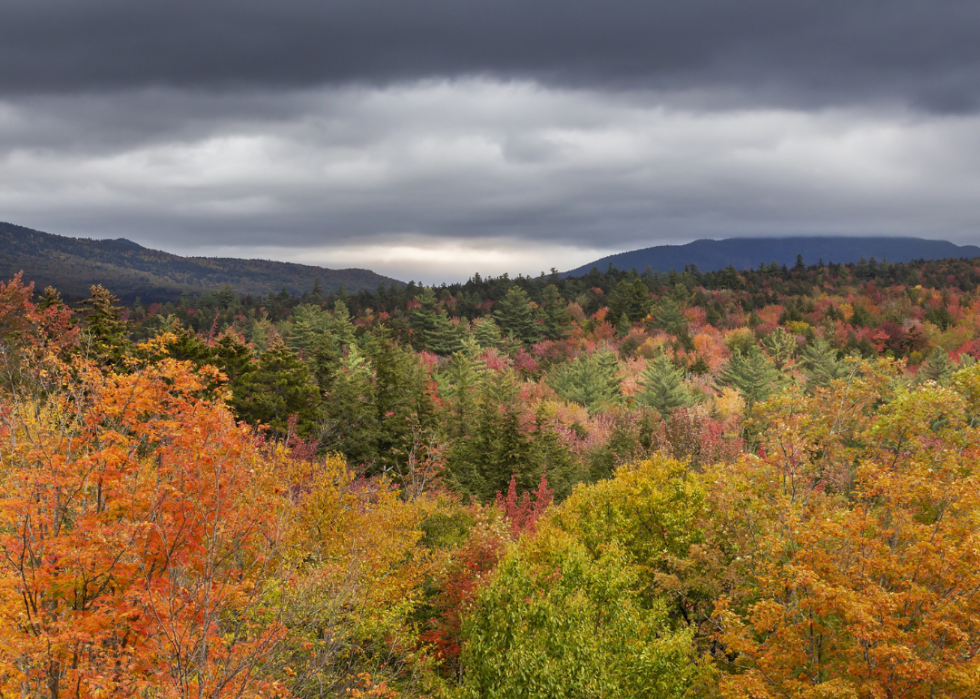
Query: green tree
560	622
279	388
663	387
937	367
751	373
781	346
486	332
630	298
107	332
589	380
517	316
554	312
820	363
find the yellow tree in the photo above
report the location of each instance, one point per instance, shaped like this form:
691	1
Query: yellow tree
874	592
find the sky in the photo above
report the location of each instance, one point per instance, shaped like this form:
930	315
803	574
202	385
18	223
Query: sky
433	139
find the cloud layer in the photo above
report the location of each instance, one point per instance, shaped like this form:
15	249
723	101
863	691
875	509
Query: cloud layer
434	139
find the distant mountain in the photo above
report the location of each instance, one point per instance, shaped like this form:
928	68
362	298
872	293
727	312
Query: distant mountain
748	253
72	265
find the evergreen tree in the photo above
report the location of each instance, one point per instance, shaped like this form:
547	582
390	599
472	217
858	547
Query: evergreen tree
630	298
781	347
589	380
663	387
106	330
350	424
937	367
517	316
820	364
486	332
752	374
670	317
279	388
554	313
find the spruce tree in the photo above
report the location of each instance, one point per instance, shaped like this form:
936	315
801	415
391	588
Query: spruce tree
752	374
937	367
663	387
517	316
820	364
107	332
589	380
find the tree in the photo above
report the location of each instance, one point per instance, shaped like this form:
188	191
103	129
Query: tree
106	331
781	347
136	532
517	316
279	388
554	312
937	367
752	374
663	387
820	364
558	621
589	380
872	592
630	298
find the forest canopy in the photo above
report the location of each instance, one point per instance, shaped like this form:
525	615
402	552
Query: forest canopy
728	484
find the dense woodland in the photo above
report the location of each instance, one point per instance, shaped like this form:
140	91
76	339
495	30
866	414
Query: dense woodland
732	484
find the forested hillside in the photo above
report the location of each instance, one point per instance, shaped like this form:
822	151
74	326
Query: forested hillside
757	483
75	264
748	253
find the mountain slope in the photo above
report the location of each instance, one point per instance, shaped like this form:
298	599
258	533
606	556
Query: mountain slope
747	253
72	265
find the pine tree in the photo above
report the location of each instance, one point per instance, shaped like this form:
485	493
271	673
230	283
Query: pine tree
517	316
630	298
554	313
108	333
752	374
937	367
781	347
350	424
589	380
663	387
279	388
820	363
486	332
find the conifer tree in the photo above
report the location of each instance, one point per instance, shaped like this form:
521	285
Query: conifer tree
279	388
350	424
663	387
937	367
108	333
820	363
589	380
630	298
486	332
781	346
517	316
554	313
752	374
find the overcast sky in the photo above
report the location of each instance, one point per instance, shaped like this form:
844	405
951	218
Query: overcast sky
435	138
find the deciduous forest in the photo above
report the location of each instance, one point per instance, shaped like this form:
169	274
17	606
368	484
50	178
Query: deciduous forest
758	483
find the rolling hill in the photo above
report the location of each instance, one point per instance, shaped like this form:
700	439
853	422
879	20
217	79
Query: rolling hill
747	253
72	265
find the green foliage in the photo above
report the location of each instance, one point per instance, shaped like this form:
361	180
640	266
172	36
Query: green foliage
630	298
663	387
820	364
752	374
517	316
279	388
589	380
559	622
781	347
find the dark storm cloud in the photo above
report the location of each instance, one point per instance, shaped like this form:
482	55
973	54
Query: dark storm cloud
827	52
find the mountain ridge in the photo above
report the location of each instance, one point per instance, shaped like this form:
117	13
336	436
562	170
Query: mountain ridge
128	269
747	253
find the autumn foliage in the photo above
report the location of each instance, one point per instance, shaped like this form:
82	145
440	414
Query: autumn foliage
738	484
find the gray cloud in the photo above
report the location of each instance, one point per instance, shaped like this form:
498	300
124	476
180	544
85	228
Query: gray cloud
439	137
438	179
832	52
